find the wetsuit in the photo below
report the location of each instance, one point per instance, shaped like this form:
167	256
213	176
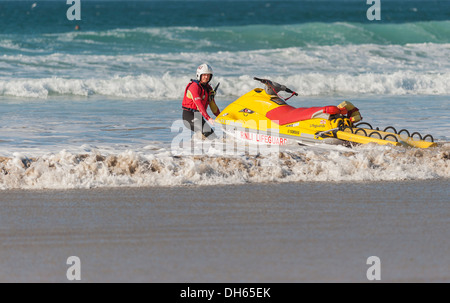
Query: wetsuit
195	102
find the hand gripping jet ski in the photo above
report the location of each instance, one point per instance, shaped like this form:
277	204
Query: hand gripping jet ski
263	116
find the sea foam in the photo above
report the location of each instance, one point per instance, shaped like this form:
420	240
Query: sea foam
65	170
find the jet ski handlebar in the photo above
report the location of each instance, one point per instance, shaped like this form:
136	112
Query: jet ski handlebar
276	86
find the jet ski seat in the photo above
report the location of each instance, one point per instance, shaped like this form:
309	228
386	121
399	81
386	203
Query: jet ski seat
287	114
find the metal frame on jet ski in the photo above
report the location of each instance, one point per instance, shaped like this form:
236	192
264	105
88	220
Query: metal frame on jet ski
263	116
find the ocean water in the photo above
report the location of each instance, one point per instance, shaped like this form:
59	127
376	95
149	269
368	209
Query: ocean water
99	107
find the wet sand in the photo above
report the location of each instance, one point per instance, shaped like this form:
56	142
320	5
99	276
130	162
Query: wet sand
296	232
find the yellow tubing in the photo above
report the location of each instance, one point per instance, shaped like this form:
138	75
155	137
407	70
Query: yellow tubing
347	136
402	139
419	143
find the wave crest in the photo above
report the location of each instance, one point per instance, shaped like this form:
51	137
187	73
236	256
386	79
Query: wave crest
171	88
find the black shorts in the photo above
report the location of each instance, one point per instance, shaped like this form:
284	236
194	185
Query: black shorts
192	121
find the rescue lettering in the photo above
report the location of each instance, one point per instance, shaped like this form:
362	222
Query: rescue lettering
260	138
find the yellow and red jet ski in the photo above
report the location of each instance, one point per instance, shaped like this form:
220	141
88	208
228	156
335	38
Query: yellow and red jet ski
263	116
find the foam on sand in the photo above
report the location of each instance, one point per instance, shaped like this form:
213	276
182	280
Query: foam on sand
65	170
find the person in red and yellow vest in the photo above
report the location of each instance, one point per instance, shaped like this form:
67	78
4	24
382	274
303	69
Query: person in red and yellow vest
197	96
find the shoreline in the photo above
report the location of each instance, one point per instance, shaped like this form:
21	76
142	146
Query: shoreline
98	190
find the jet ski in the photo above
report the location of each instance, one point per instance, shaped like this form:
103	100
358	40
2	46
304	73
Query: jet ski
262	116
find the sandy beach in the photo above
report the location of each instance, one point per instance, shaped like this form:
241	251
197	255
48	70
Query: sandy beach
295	232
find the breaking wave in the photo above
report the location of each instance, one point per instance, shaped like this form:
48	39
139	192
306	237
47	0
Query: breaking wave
417	69
66	170
170	88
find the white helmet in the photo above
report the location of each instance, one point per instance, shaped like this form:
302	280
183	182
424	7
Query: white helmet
204	69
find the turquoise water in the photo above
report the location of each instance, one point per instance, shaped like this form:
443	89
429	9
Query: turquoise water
142	27
115	86
19	17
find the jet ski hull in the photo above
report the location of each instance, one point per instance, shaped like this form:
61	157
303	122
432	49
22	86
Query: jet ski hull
261	118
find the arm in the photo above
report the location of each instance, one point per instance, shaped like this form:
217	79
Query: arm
214	108
212	102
